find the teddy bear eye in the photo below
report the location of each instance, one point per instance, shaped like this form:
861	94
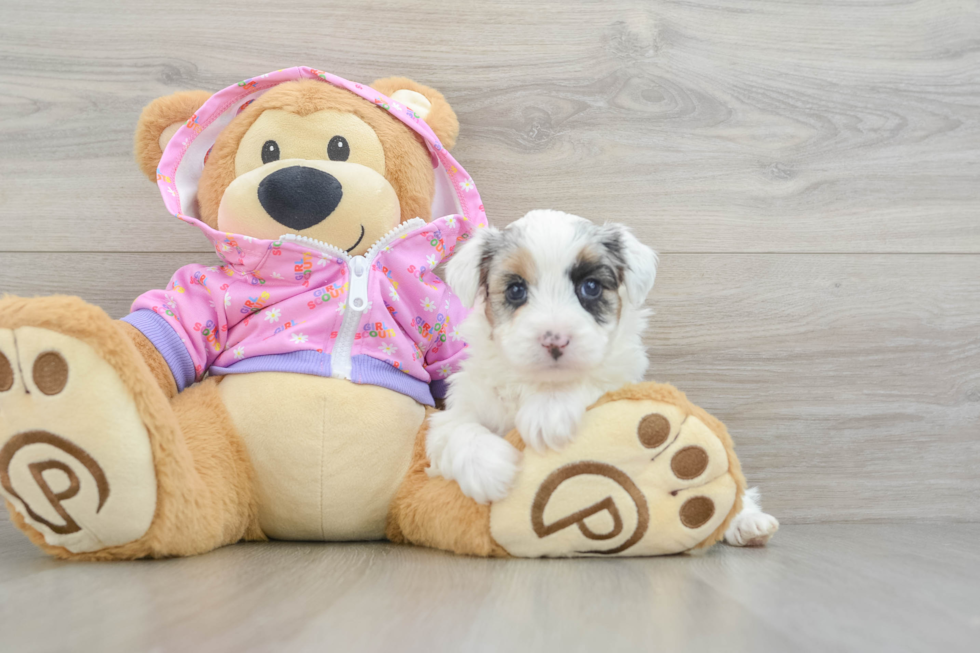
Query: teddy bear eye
270	152
338	149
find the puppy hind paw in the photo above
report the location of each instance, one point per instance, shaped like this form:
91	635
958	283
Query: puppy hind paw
751	529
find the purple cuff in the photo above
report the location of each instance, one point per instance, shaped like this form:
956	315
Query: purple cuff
439	388
167	342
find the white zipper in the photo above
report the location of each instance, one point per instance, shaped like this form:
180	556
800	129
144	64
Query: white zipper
357	291
340	357
318	245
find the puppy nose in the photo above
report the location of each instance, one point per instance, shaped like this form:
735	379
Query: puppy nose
555	343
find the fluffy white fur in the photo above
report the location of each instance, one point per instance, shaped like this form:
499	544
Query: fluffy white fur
751	527
512	378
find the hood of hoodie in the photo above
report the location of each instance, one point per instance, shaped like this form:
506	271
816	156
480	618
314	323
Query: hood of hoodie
183	161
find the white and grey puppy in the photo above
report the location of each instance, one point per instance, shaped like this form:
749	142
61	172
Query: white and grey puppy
559	315
557	323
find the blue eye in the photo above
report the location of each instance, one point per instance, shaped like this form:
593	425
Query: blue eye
589	289
516	293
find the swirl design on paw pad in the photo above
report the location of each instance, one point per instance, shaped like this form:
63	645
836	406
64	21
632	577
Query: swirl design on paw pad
37	470
608	504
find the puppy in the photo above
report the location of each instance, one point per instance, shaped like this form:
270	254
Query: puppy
558	321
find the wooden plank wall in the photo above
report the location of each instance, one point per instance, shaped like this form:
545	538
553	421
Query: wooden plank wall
810	172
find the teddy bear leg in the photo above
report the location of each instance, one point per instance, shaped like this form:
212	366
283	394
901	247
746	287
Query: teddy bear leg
95	461
434	512
649	473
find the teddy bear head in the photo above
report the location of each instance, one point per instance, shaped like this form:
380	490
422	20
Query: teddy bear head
310	159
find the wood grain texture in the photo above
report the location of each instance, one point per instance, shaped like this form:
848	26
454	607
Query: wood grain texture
850	383
809	171
111	281
826	587
713	125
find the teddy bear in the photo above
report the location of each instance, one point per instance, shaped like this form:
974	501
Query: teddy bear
283	393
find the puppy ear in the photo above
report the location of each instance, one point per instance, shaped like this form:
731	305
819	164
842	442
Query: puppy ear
639	262
467	270
159	122
428	103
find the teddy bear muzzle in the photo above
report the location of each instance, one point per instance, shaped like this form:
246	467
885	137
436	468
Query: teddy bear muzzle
346	205
300	197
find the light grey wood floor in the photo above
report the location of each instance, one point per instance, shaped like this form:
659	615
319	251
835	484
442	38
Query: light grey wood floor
820	587
810	173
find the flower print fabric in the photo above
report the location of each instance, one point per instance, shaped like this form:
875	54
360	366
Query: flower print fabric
283	305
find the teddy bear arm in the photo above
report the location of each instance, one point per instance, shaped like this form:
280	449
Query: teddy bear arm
154	360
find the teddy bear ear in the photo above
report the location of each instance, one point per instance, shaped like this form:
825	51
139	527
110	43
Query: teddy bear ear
159	122
427	102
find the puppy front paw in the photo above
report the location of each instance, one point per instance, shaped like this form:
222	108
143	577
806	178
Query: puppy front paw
547	421
482	463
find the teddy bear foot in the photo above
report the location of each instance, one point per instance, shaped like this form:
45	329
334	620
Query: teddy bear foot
648	473
76	465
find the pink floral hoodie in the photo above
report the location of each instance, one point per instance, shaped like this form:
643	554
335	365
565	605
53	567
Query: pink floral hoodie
298	305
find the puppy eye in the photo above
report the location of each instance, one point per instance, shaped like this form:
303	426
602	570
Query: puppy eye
589	289
338	149
270	152
516	293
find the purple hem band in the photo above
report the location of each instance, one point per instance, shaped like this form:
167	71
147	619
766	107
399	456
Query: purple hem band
364	369
298	362
167	342
370	370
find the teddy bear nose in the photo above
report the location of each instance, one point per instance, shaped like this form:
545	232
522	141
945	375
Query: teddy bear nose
299	197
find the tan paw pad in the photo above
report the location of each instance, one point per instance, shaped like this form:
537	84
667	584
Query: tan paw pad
641	477
75	458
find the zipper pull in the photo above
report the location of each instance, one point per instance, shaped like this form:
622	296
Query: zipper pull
358	283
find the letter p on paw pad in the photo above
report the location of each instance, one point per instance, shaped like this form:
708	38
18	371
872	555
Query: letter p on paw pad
75	458
645	475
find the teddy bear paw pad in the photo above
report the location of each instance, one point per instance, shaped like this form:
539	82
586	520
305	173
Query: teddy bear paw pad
641	477
75	457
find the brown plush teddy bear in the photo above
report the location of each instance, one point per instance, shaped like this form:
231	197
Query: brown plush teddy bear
283	393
